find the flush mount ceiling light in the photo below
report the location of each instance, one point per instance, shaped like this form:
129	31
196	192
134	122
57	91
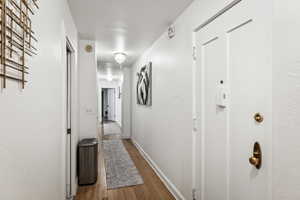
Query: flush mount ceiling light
120	58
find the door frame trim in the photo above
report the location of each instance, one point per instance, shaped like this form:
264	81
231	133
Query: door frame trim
72	74
218	14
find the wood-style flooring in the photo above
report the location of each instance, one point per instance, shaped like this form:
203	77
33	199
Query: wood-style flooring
152	189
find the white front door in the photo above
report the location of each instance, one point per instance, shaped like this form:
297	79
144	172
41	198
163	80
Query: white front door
233	83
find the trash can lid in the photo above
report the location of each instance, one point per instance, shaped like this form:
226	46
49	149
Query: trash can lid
88	142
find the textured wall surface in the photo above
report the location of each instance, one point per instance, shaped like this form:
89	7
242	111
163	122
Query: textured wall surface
33	120
286	98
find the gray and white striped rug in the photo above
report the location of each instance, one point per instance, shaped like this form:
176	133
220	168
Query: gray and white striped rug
120	169
111	128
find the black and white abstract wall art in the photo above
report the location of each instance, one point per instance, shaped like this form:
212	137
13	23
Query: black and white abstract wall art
144	85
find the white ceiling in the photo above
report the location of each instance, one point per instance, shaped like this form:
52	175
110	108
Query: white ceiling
108	69
129	26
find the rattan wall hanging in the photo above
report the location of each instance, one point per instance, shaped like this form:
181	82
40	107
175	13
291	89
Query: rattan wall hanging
17	39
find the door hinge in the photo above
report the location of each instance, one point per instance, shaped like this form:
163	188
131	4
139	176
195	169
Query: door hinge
70	198
194	53
195	125
195	194
69	131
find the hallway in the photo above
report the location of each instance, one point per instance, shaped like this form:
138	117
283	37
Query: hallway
167	100
111	128
152	189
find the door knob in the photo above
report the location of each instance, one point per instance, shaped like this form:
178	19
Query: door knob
256	159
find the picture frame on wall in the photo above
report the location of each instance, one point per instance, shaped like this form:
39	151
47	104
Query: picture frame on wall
144	85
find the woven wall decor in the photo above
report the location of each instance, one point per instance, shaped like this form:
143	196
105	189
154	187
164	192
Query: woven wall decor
17	39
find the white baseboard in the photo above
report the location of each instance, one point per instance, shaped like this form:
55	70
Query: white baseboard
119	124
171	187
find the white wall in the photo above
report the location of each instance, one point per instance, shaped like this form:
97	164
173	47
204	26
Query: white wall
118	109
164	131
87	90
126	103
286	98
32	120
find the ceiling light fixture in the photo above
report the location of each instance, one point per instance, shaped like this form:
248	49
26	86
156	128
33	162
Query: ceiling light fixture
120	58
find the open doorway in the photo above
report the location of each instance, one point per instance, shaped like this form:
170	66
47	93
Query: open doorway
108	104
111	111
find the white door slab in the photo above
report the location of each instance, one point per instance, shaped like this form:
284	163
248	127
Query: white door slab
234	51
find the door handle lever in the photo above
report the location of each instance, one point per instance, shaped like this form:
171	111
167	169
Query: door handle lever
256	159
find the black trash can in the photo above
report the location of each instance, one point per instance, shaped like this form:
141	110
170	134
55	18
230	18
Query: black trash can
87	161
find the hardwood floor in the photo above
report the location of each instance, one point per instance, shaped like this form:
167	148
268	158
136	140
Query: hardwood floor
152	189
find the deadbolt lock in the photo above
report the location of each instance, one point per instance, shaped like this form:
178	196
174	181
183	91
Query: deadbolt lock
256	159
258	118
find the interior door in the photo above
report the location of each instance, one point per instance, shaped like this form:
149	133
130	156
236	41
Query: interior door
233	83
111	104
